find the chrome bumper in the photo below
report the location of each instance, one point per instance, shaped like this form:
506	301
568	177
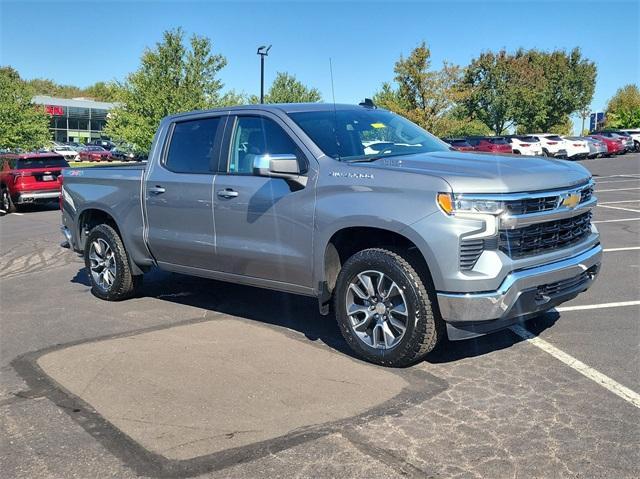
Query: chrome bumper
522	292
37	195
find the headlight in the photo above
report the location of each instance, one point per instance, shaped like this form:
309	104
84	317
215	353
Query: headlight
452	203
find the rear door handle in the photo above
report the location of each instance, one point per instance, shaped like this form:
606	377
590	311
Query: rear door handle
227	193
156	190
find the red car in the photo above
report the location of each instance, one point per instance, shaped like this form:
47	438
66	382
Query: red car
615	146
458	144
490	144
94	153
30	178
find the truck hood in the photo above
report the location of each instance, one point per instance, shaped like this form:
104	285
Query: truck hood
489	173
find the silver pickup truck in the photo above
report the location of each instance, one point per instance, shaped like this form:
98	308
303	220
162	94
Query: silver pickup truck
402	238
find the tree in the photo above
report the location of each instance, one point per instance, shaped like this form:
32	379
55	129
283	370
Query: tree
172	78
623	108
22	124
100	91
423	95
287	88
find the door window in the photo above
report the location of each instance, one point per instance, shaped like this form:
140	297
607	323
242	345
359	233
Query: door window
192	148
254	136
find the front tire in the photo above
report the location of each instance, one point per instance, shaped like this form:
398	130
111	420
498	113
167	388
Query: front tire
108	266
384	310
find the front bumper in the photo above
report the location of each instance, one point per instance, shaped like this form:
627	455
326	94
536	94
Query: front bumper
35	196
523	293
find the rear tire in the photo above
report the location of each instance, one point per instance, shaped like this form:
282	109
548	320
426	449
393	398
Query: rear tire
545	152
400	335
108	265
6	204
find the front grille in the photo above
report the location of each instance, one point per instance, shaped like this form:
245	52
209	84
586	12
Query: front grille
545	203
544	237
532	205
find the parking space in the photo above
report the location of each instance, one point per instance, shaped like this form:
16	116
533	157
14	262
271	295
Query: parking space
201	378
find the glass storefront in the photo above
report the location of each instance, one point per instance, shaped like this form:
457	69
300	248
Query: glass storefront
76	120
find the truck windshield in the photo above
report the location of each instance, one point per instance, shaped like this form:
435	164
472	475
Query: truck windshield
362	134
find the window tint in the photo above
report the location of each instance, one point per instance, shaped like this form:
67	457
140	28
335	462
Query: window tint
41	162
554	138
497	141
255	136
192	146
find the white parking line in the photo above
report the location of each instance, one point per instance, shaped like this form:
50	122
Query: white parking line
597	306
619	208
627	175
620	180
587	371
611	250
616	221
618	189
619	201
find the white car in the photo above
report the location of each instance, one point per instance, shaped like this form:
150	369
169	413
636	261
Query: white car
69	153
577	148
552	145
635	136
525	145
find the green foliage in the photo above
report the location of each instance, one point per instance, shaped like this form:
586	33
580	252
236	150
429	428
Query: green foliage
172	78
22	124
529	89
99	91
287	88
623	109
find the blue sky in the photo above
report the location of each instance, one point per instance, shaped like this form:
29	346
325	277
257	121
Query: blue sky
84	42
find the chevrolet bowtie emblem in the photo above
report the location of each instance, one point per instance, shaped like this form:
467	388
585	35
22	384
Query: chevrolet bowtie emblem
571	200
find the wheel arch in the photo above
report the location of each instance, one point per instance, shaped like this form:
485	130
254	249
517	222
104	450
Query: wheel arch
93	216
346	241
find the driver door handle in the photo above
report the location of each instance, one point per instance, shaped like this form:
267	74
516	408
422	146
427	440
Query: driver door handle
156	190
227	193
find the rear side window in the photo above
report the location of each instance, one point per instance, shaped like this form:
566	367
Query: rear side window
554	138
192	146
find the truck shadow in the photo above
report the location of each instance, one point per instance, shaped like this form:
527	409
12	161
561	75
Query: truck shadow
298	313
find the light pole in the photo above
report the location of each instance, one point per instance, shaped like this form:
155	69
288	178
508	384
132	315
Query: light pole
263	51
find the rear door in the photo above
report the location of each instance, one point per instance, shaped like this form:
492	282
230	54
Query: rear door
263	225
179	194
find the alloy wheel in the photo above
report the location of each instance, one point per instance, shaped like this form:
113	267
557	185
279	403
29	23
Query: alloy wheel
103	264
377	309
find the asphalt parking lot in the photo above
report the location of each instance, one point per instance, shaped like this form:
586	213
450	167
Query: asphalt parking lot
201	378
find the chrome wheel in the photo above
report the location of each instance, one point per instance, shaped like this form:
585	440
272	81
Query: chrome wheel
103	264
377	309
5	201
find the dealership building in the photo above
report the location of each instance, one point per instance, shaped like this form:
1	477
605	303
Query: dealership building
77	119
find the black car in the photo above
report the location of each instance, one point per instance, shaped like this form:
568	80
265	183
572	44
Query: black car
120	153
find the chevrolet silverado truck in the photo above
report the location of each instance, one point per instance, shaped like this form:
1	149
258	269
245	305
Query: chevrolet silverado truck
405	240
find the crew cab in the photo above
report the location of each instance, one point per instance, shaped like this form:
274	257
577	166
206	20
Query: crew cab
29	178
356	206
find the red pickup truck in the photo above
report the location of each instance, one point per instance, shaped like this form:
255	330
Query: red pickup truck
29	178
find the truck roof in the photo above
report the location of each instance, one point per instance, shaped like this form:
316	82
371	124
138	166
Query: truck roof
282	107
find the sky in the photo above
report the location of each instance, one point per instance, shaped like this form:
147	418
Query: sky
81	43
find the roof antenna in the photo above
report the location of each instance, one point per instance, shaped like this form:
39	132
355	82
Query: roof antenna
335	113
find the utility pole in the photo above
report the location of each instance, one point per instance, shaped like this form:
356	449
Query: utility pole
263	51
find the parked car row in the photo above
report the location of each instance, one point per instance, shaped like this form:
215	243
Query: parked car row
96	150
596	145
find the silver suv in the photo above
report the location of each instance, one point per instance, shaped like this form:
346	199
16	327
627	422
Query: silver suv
403	238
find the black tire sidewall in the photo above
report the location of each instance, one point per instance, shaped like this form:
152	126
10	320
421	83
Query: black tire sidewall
379	260
5	196
121	285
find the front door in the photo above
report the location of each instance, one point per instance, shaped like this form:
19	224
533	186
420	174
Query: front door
179	195
263	225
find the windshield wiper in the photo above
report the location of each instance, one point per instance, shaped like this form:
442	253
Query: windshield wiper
364	160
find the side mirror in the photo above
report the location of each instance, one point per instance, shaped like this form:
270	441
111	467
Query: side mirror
284	166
